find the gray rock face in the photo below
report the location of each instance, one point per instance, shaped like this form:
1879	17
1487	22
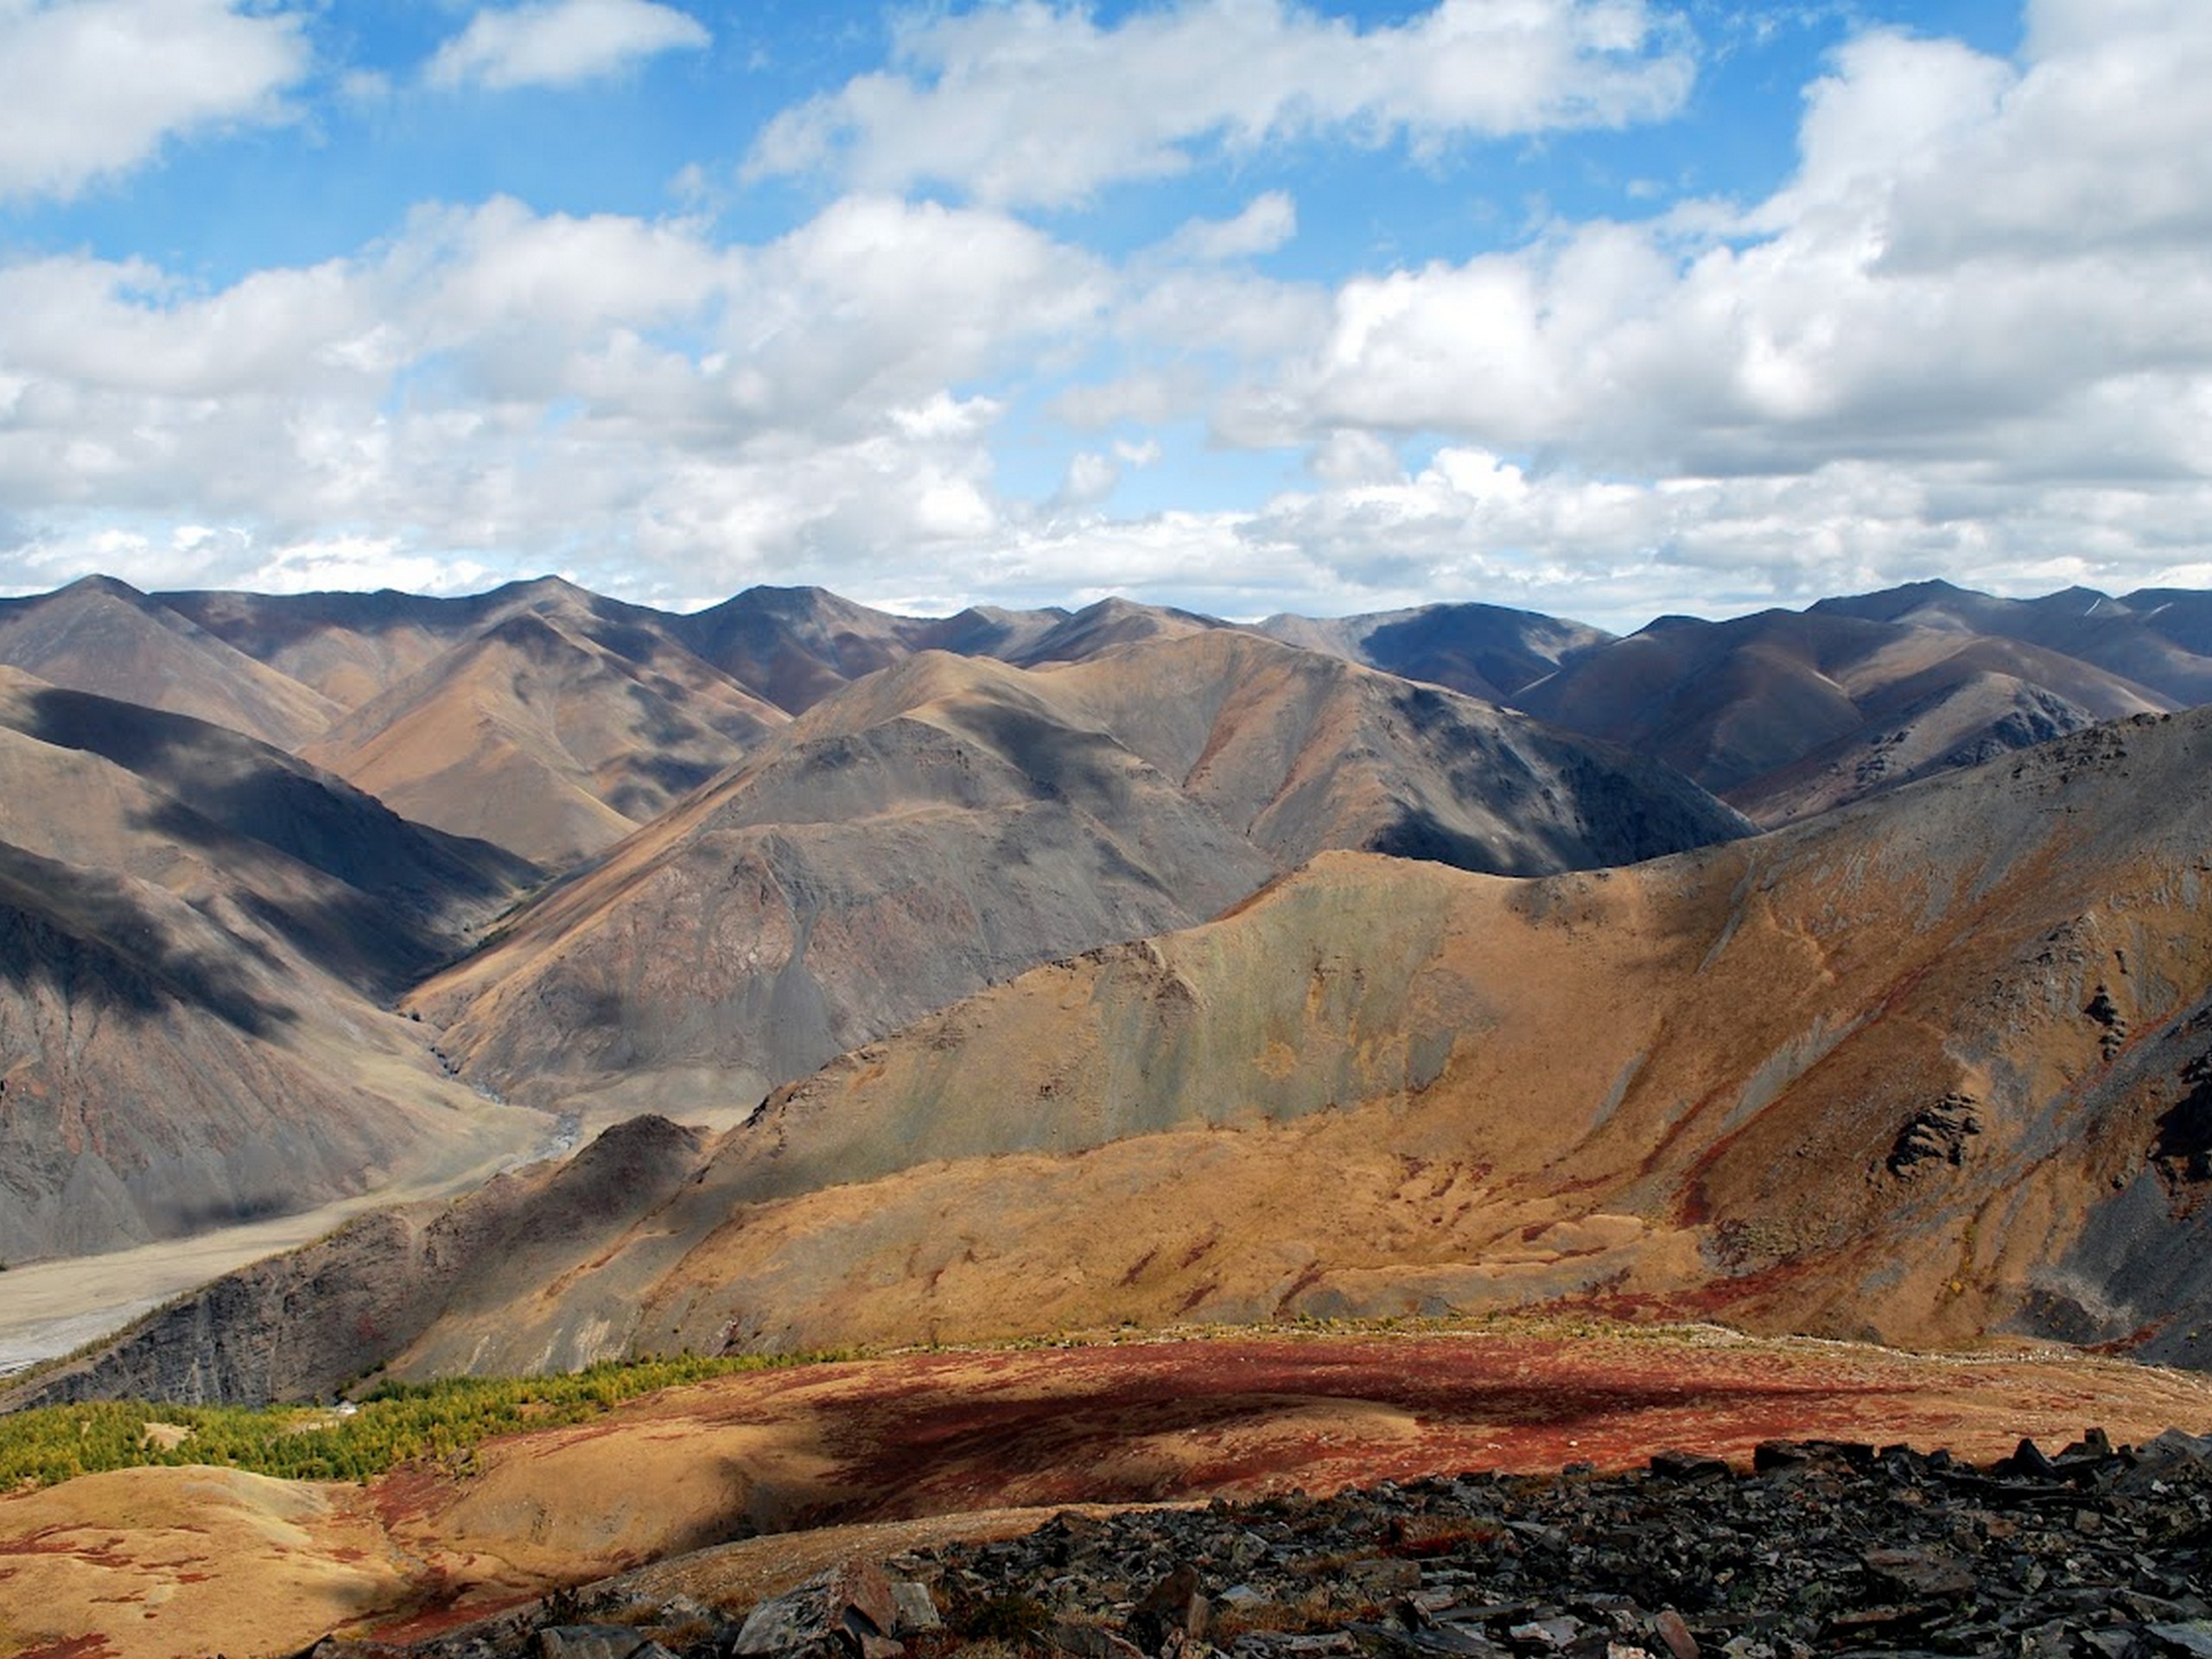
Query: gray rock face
848	1612
154	1076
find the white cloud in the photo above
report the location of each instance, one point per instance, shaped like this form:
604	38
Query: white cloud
1033	103
1268	222
1089	479
1351	456
562	43
1918	292
89	89
362	564
1971	335
495	385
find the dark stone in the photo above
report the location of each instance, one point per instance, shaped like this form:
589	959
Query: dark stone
1770	1455
1918	1574
1688	1466
1829	1548
1937	1133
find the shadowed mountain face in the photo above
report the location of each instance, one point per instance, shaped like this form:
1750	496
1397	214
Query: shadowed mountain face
166	1067
543	739
1485	651
799	646
2147	637
103	636
202	938
350	647
1786	713
115	786
1926	1068
951	822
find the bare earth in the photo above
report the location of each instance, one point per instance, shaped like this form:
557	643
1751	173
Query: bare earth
922	1446
51	1309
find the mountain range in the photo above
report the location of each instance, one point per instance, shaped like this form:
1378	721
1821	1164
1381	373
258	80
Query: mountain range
1021	969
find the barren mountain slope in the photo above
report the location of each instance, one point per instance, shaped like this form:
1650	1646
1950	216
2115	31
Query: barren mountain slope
797	645
540	738
1922	1069
104	636
114	787
1785	713
1963	722
167	1066
1485	651
350	647
2079	622
1872	1076
1301	753
1102	627
2181	614
954	821
203	935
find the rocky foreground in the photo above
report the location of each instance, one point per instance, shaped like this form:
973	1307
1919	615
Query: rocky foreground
1824	1547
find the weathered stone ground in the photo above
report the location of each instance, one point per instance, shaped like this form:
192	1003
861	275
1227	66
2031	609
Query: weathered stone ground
1821	1548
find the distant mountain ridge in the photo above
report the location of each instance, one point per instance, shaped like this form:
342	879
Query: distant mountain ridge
1876	689
744	840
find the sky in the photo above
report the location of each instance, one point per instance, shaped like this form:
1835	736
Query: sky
1605	309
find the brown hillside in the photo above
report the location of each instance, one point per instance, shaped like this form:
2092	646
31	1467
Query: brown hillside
103	636
539	739
954	821
797	645
2147	637
1921	1070
1787	714
351	647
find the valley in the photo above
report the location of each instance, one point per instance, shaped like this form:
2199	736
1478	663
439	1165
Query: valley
1477	1041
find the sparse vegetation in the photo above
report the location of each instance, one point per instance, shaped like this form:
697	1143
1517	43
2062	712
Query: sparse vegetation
1012	1619
398	1423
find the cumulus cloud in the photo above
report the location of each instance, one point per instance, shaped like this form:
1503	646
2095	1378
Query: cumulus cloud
561	43
497	385
1089	479
1038	103
1920	289
1970	335
93	88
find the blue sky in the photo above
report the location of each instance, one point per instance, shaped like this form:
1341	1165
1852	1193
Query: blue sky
1603	307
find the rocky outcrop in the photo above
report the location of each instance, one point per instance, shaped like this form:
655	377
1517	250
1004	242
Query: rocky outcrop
1937	1133
1823	1547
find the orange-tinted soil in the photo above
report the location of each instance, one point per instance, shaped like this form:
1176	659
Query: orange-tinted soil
884	1450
